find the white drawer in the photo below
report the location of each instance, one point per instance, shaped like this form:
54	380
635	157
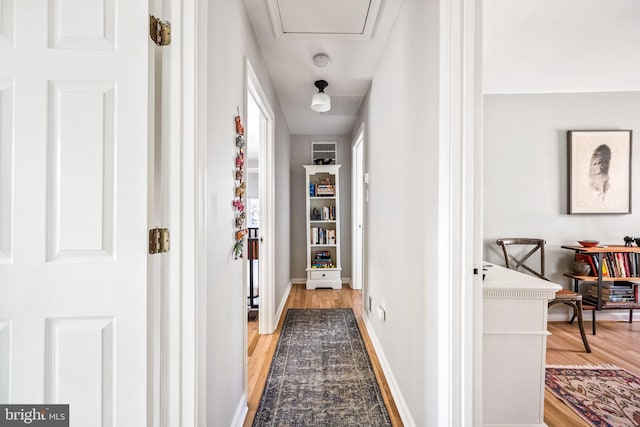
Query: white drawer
325	274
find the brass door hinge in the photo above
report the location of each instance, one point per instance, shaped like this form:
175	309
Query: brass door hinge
159	31
158	240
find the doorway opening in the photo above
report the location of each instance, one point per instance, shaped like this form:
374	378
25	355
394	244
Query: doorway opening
260	139
357	219
254	137
260	270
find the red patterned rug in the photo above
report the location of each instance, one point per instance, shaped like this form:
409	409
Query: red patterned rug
604	396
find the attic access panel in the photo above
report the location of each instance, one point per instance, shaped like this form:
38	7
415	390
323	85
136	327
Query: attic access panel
353	19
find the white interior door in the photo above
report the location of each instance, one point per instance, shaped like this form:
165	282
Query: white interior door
73	207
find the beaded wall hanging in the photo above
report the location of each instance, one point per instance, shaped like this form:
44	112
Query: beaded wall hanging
241	186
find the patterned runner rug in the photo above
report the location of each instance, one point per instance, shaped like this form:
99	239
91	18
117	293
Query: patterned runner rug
321	374
604	396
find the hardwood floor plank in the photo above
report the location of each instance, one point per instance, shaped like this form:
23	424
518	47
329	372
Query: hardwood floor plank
265	345
616	343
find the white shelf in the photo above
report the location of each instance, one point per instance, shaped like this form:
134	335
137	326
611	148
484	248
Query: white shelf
320	277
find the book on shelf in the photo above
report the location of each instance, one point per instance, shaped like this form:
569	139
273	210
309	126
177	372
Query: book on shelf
609	304
325	190
620	284
606	272
594	290
613	298
322	259
622	268
613	292
322	190
614	264
322	264
611	257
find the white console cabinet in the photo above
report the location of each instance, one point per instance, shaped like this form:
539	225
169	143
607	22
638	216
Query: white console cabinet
514	346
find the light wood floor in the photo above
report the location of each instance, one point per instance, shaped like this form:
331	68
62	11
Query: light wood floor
616	343
262	347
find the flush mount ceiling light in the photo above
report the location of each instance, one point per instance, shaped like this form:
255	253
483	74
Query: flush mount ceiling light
321	60
321	101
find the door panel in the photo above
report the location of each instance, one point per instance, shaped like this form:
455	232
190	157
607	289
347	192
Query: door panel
73	207
89	379
81	170
96	29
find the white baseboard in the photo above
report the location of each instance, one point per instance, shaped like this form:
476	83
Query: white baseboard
398	398
283	302
241	412
303	280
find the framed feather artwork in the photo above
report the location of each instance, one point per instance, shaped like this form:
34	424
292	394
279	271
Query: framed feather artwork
599	171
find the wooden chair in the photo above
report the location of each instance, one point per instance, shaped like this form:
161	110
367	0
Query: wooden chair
520	250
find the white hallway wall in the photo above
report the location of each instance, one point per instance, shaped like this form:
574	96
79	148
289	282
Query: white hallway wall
230	39
525	171
401	217
301	155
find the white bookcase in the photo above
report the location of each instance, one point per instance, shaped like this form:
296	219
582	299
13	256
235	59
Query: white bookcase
323	226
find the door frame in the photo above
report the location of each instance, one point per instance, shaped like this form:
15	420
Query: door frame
357	203
266	267
183	376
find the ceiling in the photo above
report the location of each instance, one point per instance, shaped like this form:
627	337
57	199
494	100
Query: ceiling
353	33
528	47
546	46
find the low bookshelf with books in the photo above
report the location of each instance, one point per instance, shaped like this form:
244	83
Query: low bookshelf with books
612	280
612	294
323	226
322	259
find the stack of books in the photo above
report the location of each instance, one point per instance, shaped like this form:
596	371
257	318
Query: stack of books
613	293
322	259
325	190
322	190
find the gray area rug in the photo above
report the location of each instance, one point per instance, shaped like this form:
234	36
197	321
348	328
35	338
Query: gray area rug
321	374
